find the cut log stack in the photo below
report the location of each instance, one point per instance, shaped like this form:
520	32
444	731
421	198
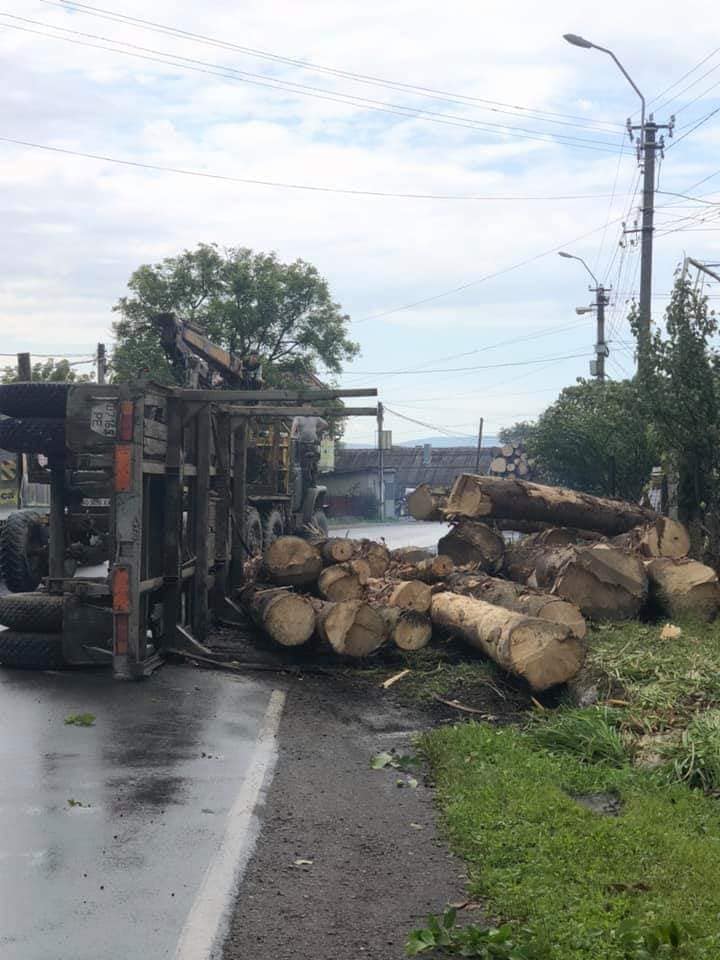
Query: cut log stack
610	559
511	461
522	602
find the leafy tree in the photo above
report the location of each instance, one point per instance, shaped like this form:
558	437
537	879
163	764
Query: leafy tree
595	438
681	390
517	433
249	303
55	370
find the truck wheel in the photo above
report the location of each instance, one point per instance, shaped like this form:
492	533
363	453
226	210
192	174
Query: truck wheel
253	532
320	521
23	551
32	612
33	399
33	435
31	651
273	527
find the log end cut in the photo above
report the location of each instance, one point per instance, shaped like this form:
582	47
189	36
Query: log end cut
292	561
289	619
545	653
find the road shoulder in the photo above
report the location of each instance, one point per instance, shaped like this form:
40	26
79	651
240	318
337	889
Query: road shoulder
376	865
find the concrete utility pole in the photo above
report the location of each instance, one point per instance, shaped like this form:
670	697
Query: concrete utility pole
597	366
647	149
381	462
101	363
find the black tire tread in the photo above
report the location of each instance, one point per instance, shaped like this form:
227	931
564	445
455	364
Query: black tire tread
273	526
31	651
33	435
253	521
14	538
31	612
33	399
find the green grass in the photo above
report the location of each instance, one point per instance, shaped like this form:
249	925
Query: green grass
591	735
574	876
80	720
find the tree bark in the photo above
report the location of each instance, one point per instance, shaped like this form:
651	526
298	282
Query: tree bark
539	651
604	582
518	525
427	503
663	538
339	583
405	555
521	599
683	588
478	497
351	627
291	561
408	629
286	617
470	542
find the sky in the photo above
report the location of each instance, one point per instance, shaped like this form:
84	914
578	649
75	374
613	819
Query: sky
472	141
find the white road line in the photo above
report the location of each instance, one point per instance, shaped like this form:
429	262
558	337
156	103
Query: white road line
203	934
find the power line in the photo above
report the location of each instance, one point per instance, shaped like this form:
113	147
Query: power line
684	77
694	128
161	168
416	89
419	423
487	366
318	93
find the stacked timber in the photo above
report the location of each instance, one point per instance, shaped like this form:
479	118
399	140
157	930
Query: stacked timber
511	460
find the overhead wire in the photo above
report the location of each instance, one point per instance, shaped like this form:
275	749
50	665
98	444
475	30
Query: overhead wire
415	89
240	76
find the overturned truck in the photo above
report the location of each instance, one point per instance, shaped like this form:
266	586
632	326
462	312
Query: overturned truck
190	482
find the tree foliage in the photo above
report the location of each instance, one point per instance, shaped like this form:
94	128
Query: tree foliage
595	438
249	303
681	393
54	370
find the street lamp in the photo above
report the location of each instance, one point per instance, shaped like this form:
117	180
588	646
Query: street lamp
597	367
577	41
571	256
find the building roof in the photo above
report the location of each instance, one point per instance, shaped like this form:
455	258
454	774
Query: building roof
446	463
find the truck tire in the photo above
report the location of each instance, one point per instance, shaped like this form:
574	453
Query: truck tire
320	521
33	399
32	612
253	532
273	527
23	553
31	651
33	435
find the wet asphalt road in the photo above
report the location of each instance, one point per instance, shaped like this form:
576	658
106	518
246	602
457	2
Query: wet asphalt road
113	875
404	533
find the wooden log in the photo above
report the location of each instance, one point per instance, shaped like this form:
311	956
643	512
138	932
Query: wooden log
429	571
408	629
604	582
539	651
683	588
351	627
405	555
411	595
663	538
339	582
292	561
521	599
337	549
472	542
377	555
477	497
498	465
288	618
427	503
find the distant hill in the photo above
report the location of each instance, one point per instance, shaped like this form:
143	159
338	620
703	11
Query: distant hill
439	442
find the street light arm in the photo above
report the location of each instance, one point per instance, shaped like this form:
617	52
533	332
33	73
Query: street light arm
573	256
628	78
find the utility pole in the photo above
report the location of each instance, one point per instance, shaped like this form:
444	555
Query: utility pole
647	148
479	446
601	350
24	366
381	462
101	363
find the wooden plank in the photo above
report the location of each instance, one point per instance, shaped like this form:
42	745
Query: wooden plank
200	508
173	520
287	412
231	396
221	560
239	504
57	523
153	428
